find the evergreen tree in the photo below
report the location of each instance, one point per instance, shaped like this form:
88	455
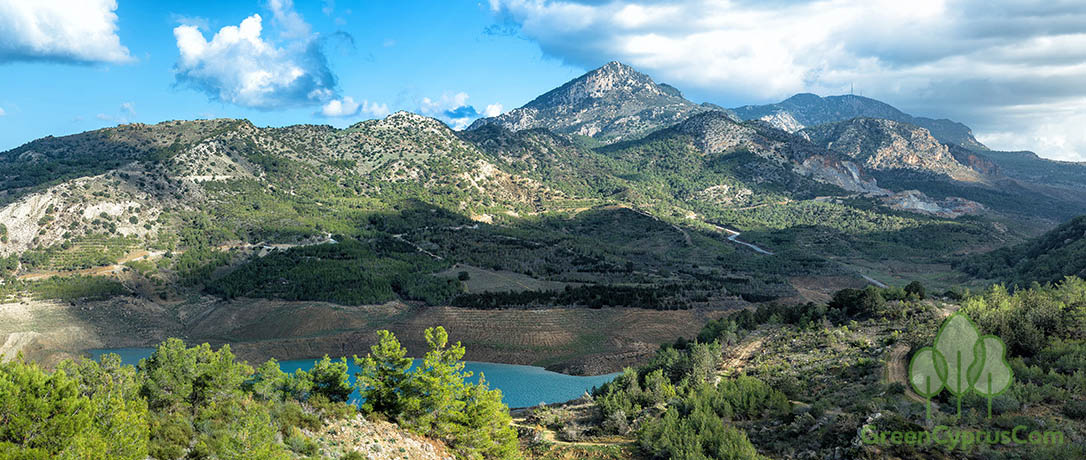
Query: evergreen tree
331	380
383	376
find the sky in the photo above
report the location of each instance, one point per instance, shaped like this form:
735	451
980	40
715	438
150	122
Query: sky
1014	71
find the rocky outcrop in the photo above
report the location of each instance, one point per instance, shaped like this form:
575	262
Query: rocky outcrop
885	145
916	201
842	173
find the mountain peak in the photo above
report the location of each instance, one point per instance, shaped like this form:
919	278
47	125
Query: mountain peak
610	103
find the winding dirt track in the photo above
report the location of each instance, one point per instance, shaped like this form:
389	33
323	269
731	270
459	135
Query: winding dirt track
897	371
897	368
740	356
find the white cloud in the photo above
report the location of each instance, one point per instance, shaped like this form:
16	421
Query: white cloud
493	110
128	108
340	107
290	22
972	60
1054	130
2	112
241	67
375	109
453	109
347	107
82	31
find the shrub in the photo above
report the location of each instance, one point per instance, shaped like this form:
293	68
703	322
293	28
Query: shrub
1075	409
916	290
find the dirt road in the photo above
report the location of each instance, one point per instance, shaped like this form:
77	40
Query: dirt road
739	356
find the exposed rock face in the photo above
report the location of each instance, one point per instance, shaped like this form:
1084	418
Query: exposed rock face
612	103
842	173
885	145
783	120
916	201
805	110
714	133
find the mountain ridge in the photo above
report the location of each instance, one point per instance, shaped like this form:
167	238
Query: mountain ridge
806	109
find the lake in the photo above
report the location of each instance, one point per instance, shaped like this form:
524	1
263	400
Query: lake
521	386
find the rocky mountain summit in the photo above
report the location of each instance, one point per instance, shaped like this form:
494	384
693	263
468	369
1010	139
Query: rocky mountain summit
805	110
612	103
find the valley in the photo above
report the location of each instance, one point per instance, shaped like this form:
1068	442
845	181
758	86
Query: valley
191	219
758	275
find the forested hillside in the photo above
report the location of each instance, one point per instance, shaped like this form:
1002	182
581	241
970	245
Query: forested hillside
1047	259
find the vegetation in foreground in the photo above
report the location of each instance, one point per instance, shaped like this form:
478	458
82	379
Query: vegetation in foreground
815	376
199	403
799	381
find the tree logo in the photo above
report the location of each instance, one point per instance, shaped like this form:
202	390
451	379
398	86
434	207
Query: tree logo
961	361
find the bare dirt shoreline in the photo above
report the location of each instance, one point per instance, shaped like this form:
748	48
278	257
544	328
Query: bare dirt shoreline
578	341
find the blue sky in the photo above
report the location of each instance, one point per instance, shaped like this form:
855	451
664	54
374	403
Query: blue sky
1013	70
388	53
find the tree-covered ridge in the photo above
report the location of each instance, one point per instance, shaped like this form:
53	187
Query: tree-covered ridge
1046	259
347	272
203	197
197	402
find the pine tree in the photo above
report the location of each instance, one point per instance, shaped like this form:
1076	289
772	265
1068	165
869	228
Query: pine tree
383	376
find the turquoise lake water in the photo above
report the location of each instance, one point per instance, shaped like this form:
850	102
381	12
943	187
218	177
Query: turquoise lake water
521	386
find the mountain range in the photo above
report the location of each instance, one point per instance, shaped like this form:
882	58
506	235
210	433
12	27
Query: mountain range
805	110
610	190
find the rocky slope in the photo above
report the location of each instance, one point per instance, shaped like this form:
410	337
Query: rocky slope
806	110
886	145
612	103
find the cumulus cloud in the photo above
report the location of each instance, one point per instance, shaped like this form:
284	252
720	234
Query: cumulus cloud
454	110
493	110
80	31
242	67
981	62
128	108
347	107
2	112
